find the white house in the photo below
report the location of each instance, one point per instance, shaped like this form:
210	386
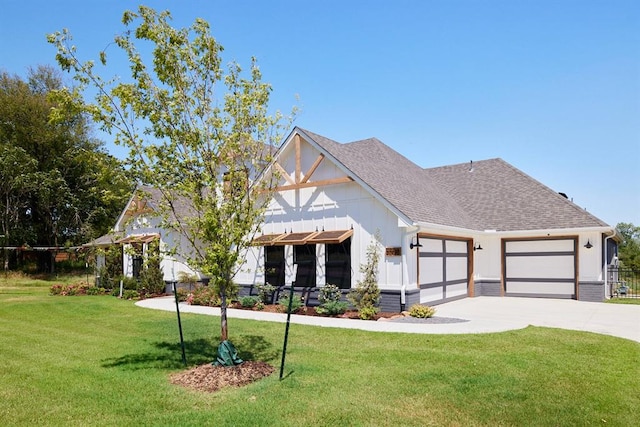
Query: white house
478	228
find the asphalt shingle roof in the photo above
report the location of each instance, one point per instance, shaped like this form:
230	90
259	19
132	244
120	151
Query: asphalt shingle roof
493	196
502	197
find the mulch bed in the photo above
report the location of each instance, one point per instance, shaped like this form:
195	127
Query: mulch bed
311	311
212	378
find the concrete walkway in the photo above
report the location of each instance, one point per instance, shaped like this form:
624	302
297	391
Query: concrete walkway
466	316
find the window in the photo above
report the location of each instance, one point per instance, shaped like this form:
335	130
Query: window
136	259
274	265
305	257
338	264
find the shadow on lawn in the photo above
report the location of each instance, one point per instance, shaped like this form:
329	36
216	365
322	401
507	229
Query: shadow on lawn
168	355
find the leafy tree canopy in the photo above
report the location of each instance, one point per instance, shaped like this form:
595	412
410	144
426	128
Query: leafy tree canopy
629	248
198	131
57	184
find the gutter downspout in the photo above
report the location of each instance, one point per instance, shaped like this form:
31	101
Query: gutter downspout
606	263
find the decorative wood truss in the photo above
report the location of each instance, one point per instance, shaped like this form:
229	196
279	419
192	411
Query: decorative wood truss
302	181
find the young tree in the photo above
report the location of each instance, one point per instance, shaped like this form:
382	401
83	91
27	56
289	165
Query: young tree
366	295
198	132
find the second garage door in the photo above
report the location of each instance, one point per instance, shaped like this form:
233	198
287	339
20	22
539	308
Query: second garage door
540	268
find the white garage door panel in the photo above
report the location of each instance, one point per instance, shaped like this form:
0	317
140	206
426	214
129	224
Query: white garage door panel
540	246
430	270
545	267
456	268
431	245
456	290
542	288
430	295
454	246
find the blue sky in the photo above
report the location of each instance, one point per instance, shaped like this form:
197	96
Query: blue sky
552	87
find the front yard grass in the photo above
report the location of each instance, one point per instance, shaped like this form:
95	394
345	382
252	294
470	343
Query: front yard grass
98	360
635	301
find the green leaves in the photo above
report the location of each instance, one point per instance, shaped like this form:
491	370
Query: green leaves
51	169
188	121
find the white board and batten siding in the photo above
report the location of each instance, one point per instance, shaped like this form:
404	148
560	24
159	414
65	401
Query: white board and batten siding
540	268
443	269
342	206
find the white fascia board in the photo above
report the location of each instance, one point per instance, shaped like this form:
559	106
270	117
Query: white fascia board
551	232
277	154
446	228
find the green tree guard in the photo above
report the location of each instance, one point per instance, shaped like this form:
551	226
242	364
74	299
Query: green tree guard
227	355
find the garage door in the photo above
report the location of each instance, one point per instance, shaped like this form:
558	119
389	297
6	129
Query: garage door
540	268
443	269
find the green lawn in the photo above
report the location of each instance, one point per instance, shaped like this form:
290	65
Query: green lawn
98	360
635	301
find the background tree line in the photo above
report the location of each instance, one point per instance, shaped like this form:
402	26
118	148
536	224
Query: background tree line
58	184
629	247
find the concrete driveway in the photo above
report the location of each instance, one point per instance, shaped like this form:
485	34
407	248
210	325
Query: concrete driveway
610	319
469	315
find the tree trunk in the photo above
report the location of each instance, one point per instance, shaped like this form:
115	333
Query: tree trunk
223	313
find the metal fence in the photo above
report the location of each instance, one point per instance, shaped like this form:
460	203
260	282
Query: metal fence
624	282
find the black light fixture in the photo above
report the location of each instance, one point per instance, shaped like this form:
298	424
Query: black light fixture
477	248
588	245
416	245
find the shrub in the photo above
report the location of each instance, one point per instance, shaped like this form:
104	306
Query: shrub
421	311
94	290
265	292
151	280
183	294
296	303
367	313
55	289
259	306
330	301
333	308
329	293
80	288
204	295
130	294
128	284
249	301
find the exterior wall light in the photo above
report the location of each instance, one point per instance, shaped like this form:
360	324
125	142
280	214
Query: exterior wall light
416	245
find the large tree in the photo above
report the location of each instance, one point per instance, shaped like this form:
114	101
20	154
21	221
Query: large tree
57	184
198	131
629	248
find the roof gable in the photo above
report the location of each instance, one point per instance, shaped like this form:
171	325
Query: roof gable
398	181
